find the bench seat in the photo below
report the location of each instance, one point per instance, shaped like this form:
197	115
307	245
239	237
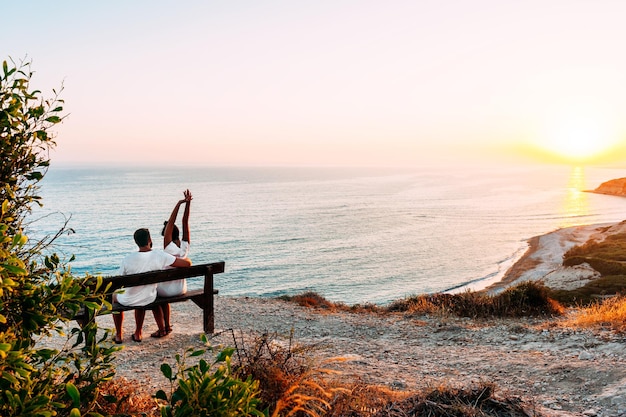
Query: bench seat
202	297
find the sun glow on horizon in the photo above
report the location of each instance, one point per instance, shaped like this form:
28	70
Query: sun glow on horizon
578	134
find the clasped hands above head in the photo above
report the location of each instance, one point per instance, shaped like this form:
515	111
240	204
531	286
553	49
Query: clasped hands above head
187	199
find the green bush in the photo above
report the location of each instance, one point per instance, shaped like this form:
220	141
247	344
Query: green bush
207	389
37	293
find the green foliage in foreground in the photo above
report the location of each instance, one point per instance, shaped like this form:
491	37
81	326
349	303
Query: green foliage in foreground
37	294
207	389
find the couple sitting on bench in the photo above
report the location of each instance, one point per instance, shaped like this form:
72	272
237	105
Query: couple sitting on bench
173	255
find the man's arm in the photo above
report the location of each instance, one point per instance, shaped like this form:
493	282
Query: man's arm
181	263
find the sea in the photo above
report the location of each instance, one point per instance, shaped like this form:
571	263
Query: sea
352	235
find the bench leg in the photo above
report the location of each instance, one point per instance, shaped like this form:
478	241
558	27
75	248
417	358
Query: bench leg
208	308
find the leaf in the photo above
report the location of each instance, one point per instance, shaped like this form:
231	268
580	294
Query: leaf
92	305
13	269
73	393
8	377
223	355
75	412
53	119
198	353
166	370
160	395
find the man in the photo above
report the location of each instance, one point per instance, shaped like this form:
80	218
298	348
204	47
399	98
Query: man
144	260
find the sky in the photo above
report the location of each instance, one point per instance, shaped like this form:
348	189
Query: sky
327	83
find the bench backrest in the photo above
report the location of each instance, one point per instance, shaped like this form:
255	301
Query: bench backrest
153	277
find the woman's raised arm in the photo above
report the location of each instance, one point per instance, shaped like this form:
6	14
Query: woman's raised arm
169	226
188	199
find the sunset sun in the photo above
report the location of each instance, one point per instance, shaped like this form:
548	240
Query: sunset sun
578	136
579	139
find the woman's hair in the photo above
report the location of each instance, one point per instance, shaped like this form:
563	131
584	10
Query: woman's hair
175	232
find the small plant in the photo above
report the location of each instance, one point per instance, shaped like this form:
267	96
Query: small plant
291	382
208	389
311	299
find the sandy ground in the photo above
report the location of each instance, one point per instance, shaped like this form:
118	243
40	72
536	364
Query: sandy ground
555	370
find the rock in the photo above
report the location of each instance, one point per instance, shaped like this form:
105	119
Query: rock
612	187
585	356
590	413
570	277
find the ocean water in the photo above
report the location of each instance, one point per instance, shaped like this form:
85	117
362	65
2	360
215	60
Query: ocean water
351	235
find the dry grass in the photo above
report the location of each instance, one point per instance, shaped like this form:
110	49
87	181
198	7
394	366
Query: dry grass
454	402
120	397
608	313
312	299
291	382
525	299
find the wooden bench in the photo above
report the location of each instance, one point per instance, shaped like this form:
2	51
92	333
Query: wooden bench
202	297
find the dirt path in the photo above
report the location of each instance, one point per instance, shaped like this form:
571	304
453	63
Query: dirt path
555	368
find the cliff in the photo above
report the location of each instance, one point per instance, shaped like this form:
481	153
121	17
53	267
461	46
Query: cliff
612	187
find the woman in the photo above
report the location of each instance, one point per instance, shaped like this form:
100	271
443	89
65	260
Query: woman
174	246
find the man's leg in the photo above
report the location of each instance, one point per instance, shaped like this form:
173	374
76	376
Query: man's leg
118	320
140	314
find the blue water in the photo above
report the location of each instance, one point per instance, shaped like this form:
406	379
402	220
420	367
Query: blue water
352	235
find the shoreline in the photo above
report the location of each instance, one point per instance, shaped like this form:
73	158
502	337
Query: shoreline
519	267
543	260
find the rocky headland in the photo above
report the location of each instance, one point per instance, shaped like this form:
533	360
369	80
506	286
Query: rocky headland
612	187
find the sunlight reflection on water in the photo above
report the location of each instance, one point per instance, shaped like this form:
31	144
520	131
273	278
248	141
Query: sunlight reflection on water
576	203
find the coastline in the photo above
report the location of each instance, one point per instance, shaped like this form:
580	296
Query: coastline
543	259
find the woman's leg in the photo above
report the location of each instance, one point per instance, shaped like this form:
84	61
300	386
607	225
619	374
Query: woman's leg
157	312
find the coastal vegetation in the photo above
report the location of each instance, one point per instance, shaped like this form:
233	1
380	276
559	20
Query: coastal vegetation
608	257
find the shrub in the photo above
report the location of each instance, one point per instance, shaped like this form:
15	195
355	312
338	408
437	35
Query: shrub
208	389
310	299
37	293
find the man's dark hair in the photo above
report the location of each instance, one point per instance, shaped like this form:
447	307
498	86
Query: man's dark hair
142	237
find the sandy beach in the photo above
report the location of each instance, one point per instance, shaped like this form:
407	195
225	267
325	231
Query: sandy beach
553	369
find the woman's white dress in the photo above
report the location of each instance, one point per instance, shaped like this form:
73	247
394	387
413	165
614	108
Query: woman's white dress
179	286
